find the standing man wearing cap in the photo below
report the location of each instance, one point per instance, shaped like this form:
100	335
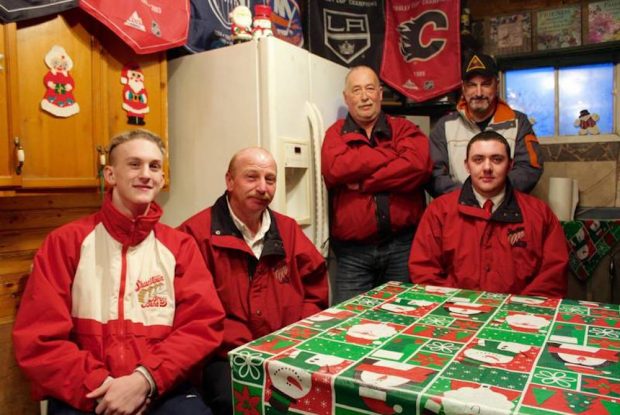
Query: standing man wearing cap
480	109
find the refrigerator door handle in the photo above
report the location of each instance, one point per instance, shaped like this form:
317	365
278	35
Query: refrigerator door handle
321	228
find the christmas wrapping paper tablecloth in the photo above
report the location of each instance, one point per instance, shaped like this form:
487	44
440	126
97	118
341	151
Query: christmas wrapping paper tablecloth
414	349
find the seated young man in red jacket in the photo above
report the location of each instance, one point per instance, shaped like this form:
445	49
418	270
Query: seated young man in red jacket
119	309
488	236
266	271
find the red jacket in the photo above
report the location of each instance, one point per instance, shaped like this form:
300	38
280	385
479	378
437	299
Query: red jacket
359	173
287	283
519	249
108	294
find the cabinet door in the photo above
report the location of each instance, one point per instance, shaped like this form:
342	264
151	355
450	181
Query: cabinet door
60	151
115	54
8	162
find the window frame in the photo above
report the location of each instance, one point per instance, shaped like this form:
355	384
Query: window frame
607	52
614	136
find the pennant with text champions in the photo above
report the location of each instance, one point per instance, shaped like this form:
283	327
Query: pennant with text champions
348	32
421	56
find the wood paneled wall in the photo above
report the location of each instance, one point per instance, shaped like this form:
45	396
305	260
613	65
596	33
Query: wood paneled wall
24	223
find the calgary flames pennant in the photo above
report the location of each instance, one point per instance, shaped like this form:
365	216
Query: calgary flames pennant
421	53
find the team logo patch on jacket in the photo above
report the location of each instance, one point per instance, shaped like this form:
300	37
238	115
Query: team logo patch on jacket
515	237
280	271
150	290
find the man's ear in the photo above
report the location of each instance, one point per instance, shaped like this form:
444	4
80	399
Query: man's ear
108	175
229	181
466	166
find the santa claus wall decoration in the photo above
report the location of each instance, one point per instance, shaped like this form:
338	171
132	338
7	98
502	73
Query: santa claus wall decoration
59	99
135	97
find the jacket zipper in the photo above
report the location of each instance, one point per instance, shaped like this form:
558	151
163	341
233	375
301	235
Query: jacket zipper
121	303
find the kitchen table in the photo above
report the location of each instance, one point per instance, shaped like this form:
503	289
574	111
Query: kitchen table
415	349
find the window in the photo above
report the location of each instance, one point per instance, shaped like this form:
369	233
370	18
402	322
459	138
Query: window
555	98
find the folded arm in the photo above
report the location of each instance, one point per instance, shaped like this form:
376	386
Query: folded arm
409	170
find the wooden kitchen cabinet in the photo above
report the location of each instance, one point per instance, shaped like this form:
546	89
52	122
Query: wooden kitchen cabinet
62	152
8	162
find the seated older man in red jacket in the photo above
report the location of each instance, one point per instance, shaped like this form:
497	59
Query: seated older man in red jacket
488	236
266	271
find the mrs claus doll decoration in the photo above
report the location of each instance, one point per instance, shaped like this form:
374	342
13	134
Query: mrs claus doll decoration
135	97
59	99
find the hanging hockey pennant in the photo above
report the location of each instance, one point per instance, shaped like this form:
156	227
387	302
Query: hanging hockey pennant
346	33
286	21
16	10
147	26
421	55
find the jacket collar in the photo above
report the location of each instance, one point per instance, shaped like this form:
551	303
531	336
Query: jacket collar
224	233
381	130
502	117
508	212
128	231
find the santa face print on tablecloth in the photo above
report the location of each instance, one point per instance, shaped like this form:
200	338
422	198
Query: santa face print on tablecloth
381	386
582	359
413	308
465	310
465	398
59	99
327	318
135	97
501	354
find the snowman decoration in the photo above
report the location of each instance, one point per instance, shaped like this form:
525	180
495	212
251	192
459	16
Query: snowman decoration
261	27
587	123
288	384
241	24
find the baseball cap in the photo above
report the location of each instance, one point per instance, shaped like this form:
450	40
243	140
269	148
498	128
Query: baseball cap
480	64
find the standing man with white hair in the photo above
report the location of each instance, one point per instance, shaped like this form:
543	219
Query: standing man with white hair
375	167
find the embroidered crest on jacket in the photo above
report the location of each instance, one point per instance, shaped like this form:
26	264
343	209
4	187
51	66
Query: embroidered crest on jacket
515	237
280	271
150	290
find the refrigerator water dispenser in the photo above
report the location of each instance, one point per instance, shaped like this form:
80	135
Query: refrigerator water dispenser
297	180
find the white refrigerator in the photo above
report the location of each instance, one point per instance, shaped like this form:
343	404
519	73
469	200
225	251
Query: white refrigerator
265	93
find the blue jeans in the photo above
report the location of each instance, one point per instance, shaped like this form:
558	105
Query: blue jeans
361	267
185	401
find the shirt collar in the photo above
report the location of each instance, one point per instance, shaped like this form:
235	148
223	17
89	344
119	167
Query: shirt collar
245	231
497	200
381	129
